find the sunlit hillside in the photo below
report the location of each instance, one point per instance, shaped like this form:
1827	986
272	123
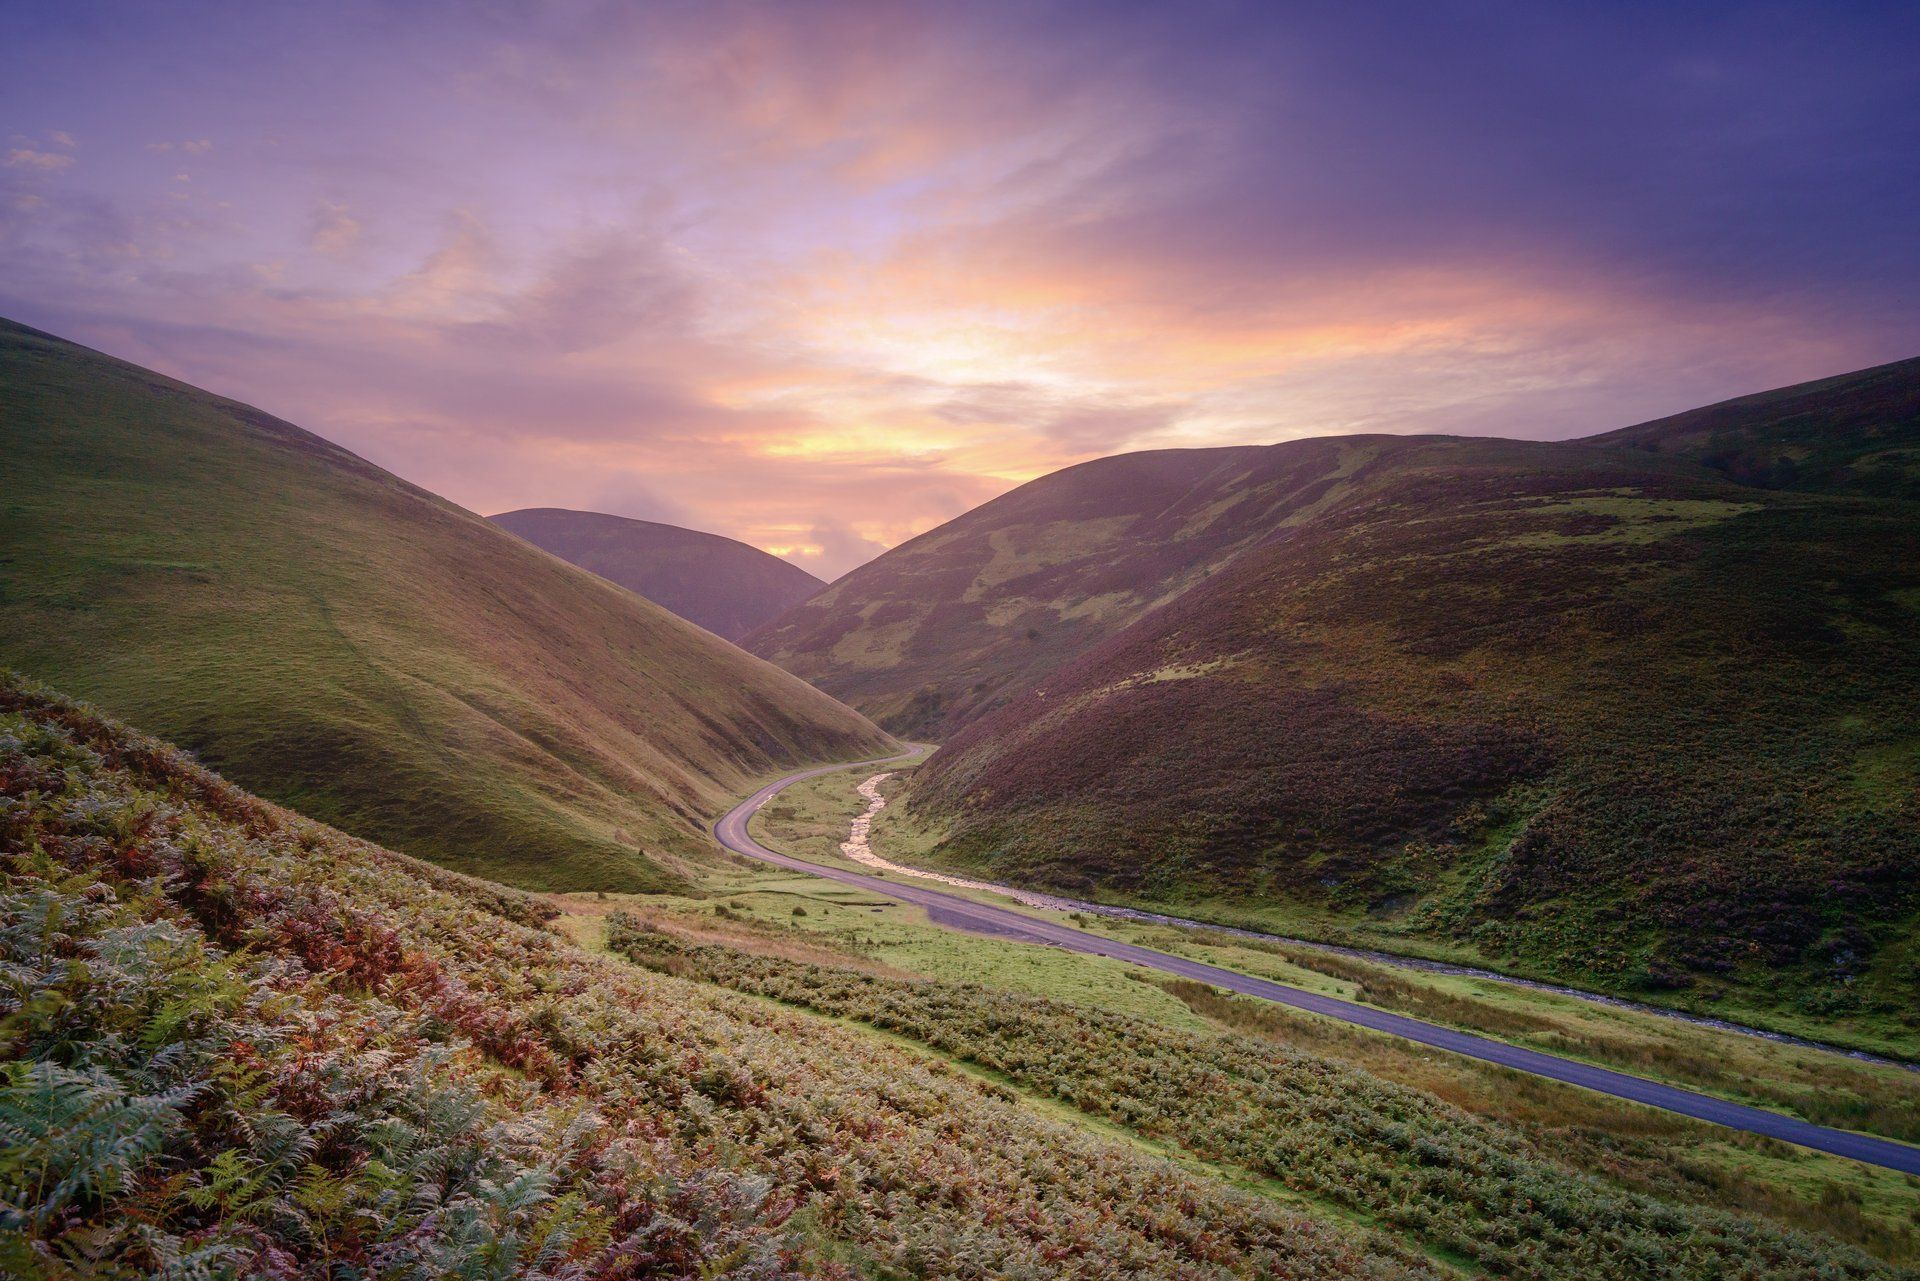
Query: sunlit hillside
243	1043
349	644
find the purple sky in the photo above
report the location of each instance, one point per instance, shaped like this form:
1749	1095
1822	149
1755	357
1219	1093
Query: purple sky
821	275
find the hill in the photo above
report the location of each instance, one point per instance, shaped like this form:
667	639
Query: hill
1602	716
725	586
347	643
973	614
247	1045
1858	433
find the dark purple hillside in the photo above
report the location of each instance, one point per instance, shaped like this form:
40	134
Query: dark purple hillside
725	586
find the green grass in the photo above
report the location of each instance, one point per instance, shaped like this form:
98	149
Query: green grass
1444	1180
1640	1148
239	1043
361	650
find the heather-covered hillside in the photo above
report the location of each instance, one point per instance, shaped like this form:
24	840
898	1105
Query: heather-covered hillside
963	619
347	643
1858	433
239	1043
1602	716
725	586
977	612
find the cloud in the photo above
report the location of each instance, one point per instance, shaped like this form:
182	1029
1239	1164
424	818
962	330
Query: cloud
819	277
44	161
605	286
459	279
634	496
832	548
334	230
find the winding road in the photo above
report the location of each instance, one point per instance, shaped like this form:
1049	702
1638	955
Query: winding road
962	913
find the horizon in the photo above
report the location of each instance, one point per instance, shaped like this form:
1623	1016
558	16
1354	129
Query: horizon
820	282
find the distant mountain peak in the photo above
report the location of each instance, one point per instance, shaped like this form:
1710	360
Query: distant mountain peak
720	583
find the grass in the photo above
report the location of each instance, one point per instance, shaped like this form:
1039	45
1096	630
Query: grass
352	646
1578	714
1441	1178
845	926
1821	1086
280	1052
1638	1148
1825	1087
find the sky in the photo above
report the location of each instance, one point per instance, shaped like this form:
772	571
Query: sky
822	274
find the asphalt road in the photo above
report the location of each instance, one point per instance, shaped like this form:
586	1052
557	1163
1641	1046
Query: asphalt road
956	912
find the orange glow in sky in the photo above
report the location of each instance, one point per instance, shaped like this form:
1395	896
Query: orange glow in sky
822	276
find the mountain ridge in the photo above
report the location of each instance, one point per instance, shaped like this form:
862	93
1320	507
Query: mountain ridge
724	585
1792	438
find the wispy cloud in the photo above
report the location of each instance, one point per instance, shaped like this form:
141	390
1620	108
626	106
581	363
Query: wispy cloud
334	230
44	161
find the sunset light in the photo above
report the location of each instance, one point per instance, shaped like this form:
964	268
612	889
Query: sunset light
856	242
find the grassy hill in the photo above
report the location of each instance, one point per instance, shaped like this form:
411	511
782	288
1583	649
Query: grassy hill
240	1043
1858	433
975	613
725	586
346	643
971	615
1582	708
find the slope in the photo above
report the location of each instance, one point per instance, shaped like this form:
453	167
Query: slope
1600	715
1857	433
725	586
238	1043
968	616
347	643
241	1044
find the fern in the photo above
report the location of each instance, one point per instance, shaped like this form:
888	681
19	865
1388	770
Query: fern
69	1136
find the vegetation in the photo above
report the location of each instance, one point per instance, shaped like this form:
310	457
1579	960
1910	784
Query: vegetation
1634	1148
1633	713
961	620
237	1042
809	819
352	646
1644	731
1858	433
1459	1185
725	586
1825	1087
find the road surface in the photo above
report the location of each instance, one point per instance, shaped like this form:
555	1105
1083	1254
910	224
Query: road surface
956	912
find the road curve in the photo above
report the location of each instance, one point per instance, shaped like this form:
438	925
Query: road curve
984	918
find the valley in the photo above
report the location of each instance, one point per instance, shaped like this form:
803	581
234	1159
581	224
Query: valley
876	930
977	916
847	641
1330	1076
362	650
1596	713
